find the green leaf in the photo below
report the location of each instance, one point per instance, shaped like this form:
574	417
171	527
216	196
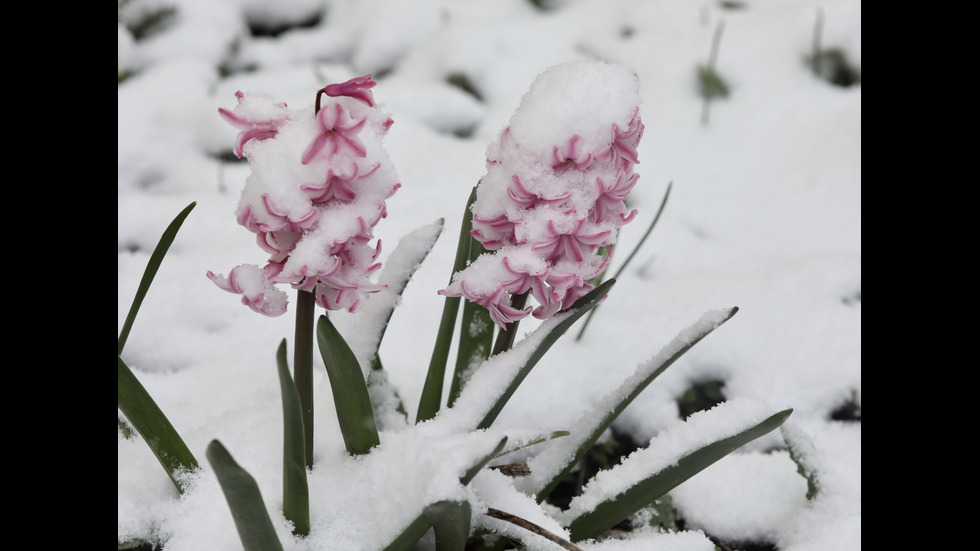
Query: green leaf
156	258
295	490
417	528
475	469
576	311
609	408
150	422
252	520
401	265
350	393
710	84
475	336
610	512
451	522
545	438
800	446
398	271
431	398
411	534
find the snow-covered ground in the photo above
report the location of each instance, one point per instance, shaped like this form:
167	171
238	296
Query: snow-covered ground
764	213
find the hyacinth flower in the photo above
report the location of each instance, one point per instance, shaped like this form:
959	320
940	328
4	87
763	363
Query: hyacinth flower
256	118
540	225
319	179
554	193
316	217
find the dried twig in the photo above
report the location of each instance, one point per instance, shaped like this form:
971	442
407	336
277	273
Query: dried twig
531	527
513	469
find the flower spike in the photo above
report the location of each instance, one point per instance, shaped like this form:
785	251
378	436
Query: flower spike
555	189
315	218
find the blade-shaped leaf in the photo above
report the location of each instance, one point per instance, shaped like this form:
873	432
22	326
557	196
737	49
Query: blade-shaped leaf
150	422
594	424
576	311
411	534
451	522
295	490
414	531
551	436
431	398
374	317
475	337
350	393
800	448
252	520
156	258
398	270
644	491
475	469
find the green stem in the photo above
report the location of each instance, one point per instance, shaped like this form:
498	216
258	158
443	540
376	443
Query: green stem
715	42
712	59
303	365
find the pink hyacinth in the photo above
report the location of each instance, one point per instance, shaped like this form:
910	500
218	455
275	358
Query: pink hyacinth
339	131
554	194
252	282
612	197
359	88
318	182
261	120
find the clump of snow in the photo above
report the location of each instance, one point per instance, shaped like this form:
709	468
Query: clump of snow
649	540
831	452
768	482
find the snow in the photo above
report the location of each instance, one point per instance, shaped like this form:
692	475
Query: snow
549	463
699	430
764	214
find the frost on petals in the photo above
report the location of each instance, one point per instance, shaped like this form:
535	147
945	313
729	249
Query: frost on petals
555	190
319	178
256	117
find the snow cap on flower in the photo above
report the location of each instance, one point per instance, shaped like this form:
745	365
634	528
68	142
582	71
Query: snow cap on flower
257	117
318	183
556	184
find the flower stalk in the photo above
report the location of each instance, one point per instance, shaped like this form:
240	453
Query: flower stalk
303	365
